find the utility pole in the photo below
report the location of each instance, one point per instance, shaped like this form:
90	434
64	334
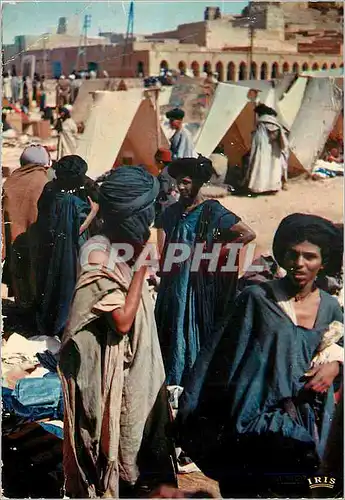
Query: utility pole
82	49
251	29
129	36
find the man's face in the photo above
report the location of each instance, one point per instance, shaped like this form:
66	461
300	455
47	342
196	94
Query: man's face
175	124
302	262
187	187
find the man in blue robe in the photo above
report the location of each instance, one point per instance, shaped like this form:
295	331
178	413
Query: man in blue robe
181	143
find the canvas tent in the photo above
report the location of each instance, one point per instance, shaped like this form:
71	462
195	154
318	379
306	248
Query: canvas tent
231	119
120	124
288	106
84	101
319	111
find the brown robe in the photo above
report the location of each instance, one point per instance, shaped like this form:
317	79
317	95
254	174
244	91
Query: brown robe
21	193
116	409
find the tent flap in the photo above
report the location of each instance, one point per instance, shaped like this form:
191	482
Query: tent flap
318	113
228	102
110	118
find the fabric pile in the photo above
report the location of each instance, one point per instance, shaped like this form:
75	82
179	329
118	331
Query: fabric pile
327	170
31	388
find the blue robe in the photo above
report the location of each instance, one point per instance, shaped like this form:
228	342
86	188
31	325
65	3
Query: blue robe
181	145
191	306
60	215
239	402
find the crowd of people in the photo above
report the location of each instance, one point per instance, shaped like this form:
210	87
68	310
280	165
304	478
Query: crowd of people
256	364
239	372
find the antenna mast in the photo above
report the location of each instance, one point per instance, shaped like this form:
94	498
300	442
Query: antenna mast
83	42
129	36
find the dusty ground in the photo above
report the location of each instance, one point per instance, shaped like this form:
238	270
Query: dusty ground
263	213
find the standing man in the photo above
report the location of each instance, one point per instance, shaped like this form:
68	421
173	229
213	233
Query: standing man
181	143
68	132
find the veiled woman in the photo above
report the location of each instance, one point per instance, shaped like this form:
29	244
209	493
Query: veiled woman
111	367
66	213
261	418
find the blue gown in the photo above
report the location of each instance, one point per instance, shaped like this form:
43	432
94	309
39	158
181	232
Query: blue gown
240	403
191	306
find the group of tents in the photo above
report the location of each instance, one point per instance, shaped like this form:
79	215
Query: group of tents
131	123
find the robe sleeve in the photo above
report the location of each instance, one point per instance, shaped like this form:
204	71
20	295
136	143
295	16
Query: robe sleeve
112	301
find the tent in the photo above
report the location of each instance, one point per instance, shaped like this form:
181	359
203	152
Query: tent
288	106
230	120
319	111
83	103
120	124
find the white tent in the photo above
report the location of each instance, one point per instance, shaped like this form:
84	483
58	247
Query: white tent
288	106
230	120
321	105
120	124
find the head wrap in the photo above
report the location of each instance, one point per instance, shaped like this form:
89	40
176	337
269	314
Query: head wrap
165	155
297	228
175	114
199	169
270	122
71	168
262	109
35	155
127	199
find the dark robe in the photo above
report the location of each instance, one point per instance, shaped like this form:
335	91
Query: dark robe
249	404
191	306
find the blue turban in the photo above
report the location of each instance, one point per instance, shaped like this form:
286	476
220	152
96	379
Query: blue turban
127	200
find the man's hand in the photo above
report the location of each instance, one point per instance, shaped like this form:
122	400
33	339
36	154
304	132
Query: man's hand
322	376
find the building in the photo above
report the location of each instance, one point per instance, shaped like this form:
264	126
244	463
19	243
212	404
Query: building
266	40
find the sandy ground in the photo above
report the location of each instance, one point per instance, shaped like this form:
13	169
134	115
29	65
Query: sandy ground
263	213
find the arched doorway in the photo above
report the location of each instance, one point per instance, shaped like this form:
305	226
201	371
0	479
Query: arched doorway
195	67
140	69
333	66
286	67
242	71
231	73
275	70
164	65
341	66
305	67
263	71
207	68
220	71
295	68
182	67
315	67
324	67
253	71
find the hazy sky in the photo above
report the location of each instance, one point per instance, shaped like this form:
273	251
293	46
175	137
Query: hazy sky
36	17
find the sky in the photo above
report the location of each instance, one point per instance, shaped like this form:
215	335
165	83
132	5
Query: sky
36	17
